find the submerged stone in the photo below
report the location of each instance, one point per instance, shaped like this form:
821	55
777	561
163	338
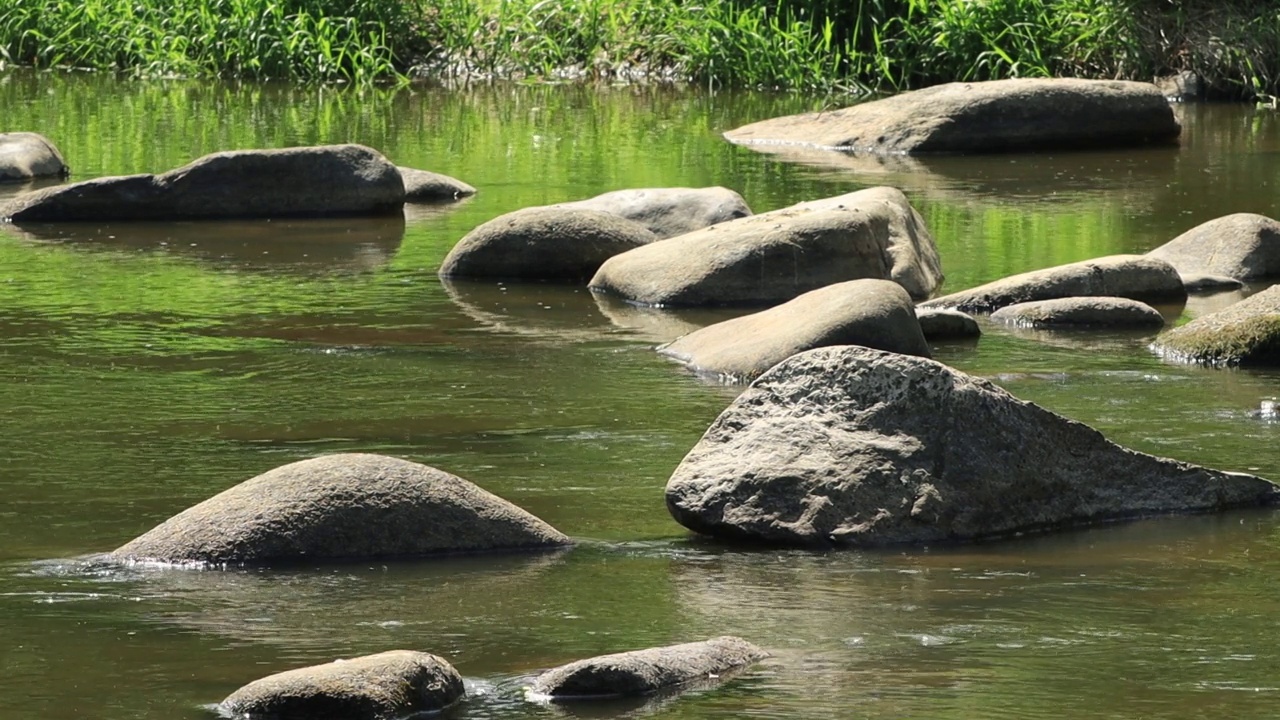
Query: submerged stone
427	186
1244	333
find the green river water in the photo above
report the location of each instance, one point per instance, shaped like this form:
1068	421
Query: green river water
145	368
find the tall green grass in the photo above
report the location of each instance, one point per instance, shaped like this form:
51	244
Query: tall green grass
808	45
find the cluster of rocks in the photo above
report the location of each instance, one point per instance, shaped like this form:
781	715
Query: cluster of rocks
848	435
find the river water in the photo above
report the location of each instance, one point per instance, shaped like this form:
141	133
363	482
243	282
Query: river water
145	368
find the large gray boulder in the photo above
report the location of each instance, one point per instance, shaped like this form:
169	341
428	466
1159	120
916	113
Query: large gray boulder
427	186
1130	276
851	446
388	685
874	313
668	212
642	672
775	256
543	243
292	182
346	506
1241	246
27	155
980	117
1243	333
1080	312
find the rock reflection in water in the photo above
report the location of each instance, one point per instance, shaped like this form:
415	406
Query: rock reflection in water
310	244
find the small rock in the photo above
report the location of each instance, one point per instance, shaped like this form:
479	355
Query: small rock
943	324
374	687
27	155
641	672
1097	312
426	186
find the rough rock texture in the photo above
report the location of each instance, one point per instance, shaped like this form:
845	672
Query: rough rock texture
979	117
293	182
1112	312
646	671
344	506
874	313
944	324
668	212
426	186
27	155
775	256
1245	333
388	685
1129	276
859	447
543	243
1242	246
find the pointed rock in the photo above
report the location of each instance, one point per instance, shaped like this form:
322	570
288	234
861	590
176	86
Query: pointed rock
850	446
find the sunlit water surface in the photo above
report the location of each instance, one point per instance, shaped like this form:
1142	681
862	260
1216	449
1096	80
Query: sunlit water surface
146	368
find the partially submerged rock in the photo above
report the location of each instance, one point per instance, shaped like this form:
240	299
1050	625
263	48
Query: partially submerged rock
1241	246
345	506
850	446
775	256
1204	283
293	182
385	686
642	672
945	324
1129	276
874	313
543	243
1096	312
427	186
1244	333
27	155
668	212
981	117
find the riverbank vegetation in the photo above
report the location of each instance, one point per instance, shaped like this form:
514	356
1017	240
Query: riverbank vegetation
812	45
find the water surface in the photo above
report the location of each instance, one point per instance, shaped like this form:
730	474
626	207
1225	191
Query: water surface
146	368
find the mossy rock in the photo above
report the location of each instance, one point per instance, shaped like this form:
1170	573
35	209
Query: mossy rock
1247	333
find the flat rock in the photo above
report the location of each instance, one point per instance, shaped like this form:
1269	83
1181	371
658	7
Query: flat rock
1208	283
1129	276
668	212
775	256
543	243
293	182
427	186
850	446
388	685
981	117
1096	312
341	507
1244	333
1242	246
642	672
27	155
874	313
945	324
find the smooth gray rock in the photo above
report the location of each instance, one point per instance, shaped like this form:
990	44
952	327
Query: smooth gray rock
336	507
293	182
1097	312
1130	276
427	186
874	313
668	212
850	446
642	672
385	686
543	243
945	324
1206	283
1241	246
1244	333
982	117
27	155
772	257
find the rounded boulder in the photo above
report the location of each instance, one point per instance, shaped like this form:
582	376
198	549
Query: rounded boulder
27	155
341	507
1241	246
1080	312
642	672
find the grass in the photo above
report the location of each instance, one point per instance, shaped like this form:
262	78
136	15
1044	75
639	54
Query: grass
806	45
